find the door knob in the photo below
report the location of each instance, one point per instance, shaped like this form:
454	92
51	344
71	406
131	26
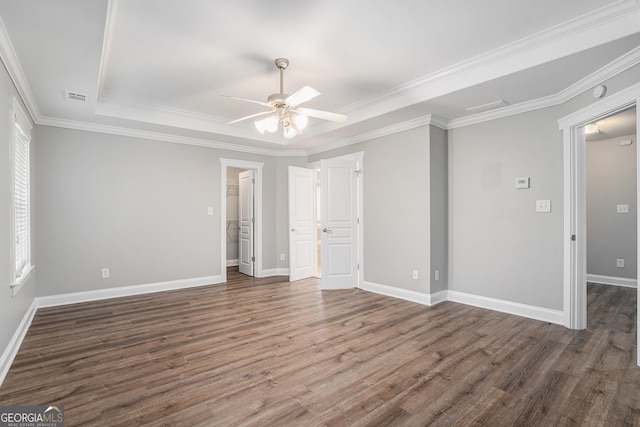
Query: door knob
326	230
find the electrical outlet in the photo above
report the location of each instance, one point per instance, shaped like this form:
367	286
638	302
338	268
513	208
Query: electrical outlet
282	257
620	263
437	275
415	274
105	273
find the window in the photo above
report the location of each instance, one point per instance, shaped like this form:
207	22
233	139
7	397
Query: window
21	210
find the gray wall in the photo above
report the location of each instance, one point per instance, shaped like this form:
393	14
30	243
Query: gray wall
611	180
136	206
12	309
438	207
498	246
398	181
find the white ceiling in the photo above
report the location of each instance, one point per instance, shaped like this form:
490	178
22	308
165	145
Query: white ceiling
160	66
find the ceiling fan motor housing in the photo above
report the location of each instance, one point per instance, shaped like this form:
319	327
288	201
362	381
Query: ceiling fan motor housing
282	63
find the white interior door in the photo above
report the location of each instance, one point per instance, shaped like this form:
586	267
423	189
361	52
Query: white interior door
339	223
247	222
301	223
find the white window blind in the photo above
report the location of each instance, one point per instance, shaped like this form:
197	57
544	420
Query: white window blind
21	208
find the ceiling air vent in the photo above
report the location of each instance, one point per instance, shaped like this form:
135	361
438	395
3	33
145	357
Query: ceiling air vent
486	107
74	96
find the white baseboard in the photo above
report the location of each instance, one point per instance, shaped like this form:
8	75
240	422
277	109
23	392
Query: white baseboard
124	291
405	294
524	310
532	312
611	280
16	341
271	272
233	262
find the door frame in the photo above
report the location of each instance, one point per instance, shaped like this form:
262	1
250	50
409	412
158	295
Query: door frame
257	230
574	169
359	157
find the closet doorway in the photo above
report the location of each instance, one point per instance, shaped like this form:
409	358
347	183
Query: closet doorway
241	216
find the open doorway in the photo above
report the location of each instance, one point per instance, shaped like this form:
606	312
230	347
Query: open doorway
228	169
574	168
611	216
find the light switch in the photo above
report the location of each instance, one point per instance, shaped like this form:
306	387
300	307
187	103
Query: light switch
622	209
543	206
209	210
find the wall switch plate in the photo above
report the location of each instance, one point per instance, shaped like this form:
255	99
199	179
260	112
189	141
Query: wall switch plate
209	210
620	263
543	206
105	273
415	274
522	182
436	275
622	209
282	257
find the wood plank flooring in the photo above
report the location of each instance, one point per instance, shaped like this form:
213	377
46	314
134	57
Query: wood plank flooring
266	352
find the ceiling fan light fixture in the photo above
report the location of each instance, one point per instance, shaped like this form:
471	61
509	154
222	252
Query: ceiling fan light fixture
260	125
300	121
289	132
271	123
284	109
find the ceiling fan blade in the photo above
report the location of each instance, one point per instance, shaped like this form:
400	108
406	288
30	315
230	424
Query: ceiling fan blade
250	117
303	94
326	115
248	100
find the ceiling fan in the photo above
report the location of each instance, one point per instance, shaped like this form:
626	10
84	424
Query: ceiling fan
284	112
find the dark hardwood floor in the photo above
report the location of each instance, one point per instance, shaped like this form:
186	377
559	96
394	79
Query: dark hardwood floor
267	352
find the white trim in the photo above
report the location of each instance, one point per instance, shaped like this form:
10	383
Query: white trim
523	310
125	291
392	291
14	68
165	137
272	272
615	67
11	351
378	133
257	167
613	281
233	262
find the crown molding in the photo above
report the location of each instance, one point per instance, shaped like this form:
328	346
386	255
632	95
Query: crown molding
378	133
14	68
156	114
591	29
610	70
158	136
